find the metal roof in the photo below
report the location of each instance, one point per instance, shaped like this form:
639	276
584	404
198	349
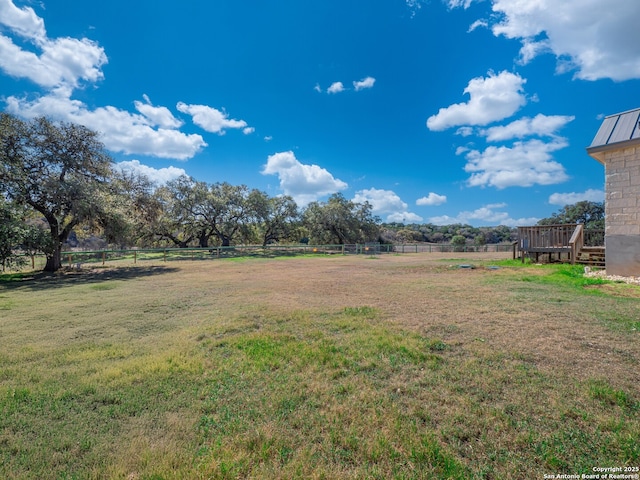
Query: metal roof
614	132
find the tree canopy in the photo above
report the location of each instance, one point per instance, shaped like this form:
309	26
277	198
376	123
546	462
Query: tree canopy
59	170
590	214
341	221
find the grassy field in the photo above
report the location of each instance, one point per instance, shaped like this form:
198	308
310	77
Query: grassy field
398	366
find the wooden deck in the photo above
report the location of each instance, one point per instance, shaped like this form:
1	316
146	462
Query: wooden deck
565	242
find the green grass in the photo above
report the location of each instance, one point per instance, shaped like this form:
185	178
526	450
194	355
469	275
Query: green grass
190	372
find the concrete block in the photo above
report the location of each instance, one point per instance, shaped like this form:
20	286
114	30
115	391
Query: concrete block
622	255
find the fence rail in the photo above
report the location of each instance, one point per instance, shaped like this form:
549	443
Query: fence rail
134	256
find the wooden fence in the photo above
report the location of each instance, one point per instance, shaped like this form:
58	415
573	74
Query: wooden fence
76	259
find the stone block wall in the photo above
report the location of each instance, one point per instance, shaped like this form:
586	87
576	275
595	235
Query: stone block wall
622	211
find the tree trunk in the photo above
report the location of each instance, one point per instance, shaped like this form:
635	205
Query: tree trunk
203	240
54	259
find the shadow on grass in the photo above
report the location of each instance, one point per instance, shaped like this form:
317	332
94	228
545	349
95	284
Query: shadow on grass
70	277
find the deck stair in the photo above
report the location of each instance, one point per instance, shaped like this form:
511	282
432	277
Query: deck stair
593	256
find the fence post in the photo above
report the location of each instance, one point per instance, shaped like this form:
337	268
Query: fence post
104	257
135	255
165	255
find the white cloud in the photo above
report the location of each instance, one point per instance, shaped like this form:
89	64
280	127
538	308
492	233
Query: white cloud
305	183
23	21
364	83
414	6
491	99
464	131
432	199
336	87
459	3
540	125
478	24
160	116
386	202
595	38
404	217
486	215
50	63
121	131
61	63
158	176
382	201
248	130
563	199
317	88
210	119
268	138
524	164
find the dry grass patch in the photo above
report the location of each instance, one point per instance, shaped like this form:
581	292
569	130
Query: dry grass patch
329	367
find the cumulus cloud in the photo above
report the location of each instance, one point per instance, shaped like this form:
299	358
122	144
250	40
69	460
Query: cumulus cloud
60	63
595	39
465	131
305	183
121	131
492	98
386	202
382	201
364	83
160	116
404	217
488	214
159	176
336	87
23	21
524	164
540	125
210	119
562	199
431	200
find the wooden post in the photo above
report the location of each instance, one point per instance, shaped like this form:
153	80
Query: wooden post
134	256
104	257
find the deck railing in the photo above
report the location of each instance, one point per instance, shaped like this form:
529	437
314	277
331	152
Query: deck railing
576	242
542	237
567	239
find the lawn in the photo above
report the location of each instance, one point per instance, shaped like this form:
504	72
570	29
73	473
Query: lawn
397	366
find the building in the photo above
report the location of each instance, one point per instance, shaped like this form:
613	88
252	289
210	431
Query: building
617	147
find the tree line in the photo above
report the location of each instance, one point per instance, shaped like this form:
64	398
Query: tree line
57	182
58	185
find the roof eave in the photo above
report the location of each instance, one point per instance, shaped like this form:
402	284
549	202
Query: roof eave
599	151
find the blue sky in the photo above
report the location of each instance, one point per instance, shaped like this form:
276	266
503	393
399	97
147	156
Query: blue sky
440	111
